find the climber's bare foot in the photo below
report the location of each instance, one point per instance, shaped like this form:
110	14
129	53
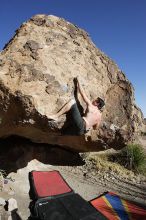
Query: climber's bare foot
52	117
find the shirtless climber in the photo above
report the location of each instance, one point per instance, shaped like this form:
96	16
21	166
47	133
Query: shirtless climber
92	116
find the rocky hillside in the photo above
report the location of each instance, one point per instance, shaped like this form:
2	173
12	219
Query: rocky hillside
37	68
144	126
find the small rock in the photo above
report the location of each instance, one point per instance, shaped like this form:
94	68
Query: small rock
12	204
5	181
2	201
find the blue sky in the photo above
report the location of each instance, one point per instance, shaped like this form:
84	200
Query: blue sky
117	27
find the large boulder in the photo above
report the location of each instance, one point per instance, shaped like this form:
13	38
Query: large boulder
37	68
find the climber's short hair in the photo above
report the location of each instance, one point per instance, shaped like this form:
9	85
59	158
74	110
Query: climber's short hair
100	103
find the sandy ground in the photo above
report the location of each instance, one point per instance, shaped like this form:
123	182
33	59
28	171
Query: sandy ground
88	187
83	179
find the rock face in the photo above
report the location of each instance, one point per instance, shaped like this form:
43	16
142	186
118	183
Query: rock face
37	68
144	126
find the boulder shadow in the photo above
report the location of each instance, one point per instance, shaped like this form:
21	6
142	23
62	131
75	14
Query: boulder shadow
16	152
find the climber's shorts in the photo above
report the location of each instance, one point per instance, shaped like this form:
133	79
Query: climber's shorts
78	123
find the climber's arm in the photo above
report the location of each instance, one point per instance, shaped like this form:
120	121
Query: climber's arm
82	92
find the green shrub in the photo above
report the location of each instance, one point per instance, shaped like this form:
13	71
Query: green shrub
133	158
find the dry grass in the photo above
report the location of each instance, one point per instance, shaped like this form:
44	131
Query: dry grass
104	164
130	161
